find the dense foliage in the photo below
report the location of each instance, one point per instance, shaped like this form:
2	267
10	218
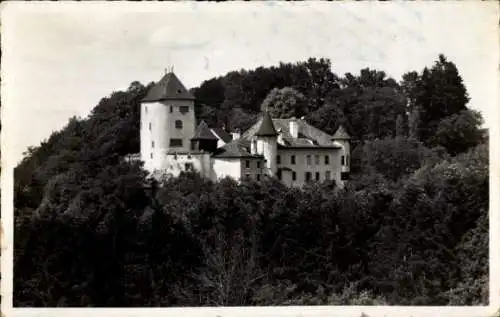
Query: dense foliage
410	228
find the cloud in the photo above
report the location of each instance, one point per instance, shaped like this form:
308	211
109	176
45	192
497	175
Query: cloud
180	39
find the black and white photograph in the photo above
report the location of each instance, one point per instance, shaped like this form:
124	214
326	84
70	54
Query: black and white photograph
269	154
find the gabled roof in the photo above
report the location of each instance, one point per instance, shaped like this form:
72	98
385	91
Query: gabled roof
308	136
203	132
266	126
235	149
168	88
341	134
223	135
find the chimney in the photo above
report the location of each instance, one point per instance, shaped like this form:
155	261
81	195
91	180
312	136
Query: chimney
253	146
294	128
236	134
280	136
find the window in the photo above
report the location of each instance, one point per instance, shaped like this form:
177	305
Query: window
327	175
317	176
183	109
294	176
327	159
150	126
146	109
151	155
278	159
189	167
247	164
178	124
176	142
292	159
308	176
279	174
171	109
342	160
258	164
152	144
308	159
258	177
316	159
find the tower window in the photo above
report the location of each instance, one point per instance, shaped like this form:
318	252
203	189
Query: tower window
152	144
150	126
327	159
278	159
247	164
146	109
183	109
292	159
308	158
151	155
342	160
178	124
294	176
176	142
317	176
171	109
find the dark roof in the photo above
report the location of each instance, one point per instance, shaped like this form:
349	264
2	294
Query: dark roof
266	126
308	136
222	134
235	149
168	88
203	132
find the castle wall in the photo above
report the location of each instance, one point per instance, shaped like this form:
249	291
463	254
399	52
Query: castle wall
302	165
223	167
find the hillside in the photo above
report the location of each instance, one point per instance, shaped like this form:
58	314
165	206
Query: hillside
411	228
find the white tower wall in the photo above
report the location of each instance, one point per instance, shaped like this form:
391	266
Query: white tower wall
268	147
158	128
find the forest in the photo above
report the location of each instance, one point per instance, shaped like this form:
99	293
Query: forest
410	227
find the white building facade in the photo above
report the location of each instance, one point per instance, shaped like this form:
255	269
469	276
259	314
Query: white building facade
288	149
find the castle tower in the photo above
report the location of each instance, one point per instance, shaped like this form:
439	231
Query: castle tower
167	121
342	137
267	142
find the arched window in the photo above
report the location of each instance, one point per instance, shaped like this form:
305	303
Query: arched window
178	124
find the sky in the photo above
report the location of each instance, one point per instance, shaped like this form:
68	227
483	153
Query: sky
60	59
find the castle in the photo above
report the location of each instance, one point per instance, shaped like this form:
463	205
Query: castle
289	149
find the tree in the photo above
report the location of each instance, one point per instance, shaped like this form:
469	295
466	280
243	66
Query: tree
284	103
440	93
393	157
459	132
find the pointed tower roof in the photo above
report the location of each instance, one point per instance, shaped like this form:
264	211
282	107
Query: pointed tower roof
341	134
266	127
168	88
203	132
